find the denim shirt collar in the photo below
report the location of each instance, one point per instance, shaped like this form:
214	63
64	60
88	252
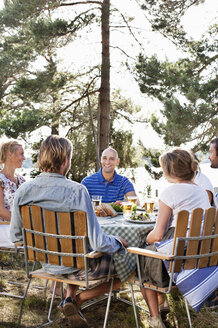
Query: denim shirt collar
51	174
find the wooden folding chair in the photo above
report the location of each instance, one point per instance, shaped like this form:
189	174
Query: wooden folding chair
58	238
198	250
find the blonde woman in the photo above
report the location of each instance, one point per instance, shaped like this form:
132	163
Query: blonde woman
179	168
11	157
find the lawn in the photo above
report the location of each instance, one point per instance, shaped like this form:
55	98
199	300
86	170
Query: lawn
120	315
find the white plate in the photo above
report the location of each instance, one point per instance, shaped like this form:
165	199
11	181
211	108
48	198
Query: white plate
141	221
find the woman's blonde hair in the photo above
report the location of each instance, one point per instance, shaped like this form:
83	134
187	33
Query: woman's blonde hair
53	151
179	163
8	146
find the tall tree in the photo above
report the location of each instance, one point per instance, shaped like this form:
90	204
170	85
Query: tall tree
104	102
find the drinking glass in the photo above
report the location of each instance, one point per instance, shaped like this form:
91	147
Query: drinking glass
132	199
127	210
149	205
96	200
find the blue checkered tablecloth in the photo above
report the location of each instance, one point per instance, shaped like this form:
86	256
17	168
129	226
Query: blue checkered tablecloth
134	234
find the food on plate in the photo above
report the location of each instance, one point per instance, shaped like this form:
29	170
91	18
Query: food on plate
109	209
105	210
99	211
117	206
140	217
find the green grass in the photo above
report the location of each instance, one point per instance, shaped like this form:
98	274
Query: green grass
120	316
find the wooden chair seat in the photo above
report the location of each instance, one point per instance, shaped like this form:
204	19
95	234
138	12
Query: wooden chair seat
41	274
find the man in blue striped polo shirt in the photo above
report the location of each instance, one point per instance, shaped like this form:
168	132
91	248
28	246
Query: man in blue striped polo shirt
107	182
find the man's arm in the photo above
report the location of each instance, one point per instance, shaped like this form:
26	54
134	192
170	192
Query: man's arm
130	193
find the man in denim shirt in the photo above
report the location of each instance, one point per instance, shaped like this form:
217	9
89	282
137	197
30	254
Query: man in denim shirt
53	191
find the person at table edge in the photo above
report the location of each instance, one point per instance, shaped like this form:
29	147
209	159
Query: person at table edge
107	182
53	191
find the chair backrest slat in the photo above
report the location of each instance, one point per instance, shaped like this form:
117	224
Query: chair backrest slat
194	231
26	220
207	230
180	231
214	259
80	230
65	228
73	224
37	221
52	242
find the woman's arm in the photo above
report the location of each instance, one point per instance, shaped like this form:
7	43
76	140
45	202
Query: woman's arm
164	215
4	213
210	195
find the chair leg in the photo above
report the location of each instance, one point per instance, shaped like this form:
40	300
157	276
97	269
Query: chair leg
134	306
49	322
188	313
108	303
23	300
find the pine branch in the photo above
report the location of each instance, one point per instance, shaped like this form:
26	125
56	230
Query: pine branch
80	3
122	52
77	100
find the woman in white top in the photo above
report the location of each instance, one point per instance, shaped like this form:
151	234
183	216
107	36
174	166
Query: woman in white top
12	157
179	168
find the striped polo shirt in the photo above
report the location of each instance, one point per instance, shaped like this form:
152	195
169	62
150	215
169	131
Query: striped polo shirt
111	191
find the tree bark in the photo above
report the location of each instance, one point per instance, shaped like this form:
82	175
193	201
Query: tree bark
104	101
93	133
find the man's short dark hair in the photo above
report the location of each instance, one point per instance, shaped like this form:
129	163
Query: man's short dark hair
215	142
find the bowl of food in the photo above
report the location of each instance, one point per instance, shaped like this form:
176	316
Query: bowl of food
117	206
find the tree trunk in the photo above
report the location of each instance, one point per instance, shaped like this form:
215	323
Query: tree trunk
94	134
104	101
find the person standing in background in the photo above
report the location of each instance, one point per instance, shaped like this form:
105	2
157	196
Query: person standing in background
12	157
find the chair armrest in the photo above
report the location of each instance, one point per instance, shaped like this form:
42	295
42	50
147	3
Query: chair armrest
94	255
5	222
146	252
18	243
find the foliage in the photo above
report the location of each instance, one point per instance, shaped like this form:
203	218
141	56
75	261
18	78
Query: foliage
37	91
151	165
165	17
187	88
